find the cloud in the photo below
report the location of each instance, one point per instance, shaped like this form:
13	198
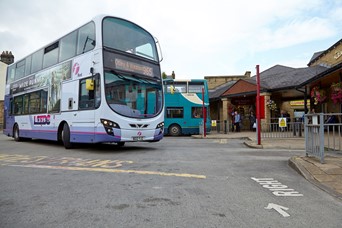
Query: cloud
294	33
197	38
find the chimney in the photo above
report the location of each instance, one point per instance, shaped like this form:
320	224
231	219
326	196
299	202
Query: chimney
7	57
248	74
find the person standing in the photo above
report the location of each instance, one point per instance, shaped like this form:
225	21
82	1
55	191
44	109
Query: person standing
233	121
237	120
252	121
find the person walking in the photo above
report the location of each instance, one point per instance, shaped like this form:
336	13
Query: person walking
237	120
233	121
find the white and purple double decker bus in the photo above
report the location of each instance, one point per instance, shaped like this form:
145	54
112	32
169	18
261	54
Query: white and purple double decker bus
99	83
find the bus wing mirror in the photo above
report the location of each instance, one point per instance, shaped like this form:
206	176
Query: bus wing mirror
90	84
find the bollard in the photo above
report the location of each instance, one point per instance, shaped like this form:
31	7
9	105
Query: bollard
225	126
294	128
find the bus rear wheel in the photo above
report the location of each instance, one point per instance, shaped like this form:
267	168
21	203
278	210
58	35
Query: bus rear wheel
66	136
16	133
175	130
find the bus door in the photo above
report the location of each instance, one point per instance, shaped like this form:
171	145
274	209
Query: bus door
89	100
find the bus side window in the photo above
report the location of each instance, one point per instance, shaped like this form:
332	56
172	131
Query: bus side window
18	105
68	46
86	38
10	111
43	99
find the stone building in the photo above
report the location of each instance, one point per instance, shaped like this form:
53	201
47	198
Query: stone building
217	86
290	89
6	58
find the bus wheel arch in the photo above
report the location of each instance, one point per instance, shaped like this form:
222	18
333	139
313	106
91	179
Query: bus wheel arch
175	130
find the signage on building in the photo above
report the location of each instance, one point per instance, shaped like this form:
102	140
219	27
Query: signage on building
298	103
338	54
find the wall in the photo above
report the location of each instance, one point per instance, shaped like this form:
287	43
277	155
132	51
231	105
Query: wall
331	57
3	69
215	81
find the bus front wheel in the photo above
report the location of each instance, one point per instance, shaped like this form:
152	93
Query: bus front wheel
66	136
120	144
175	130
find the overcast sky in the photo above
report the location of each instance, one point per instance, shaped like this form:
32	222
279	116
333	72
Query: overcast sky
198	37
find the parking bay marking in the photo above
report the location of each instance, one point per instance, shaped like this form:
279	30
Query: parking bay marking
79	164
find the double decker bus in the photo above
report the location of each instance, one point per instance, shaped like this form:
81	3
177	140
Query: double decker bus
184	103
99	83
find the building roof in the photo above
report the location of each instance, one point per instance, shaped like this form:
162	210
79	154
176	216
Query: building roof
317	55
219	90
275	78
287	78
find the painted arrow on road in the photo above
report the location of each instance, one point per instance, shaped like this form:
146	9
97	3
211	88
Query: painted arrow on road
280	209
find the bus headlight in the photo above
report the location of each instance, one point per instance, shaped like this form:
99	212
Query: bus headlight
109	124
160	125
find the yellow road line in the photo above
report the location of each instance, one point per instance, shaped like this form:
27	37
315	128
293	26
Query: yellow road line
114	171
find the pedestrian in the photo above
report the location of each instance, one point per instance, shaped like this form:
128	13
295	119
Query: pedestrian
233	121
237	120
252	123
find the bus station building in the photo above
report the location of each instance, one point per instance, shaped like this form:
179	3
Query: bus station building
283	89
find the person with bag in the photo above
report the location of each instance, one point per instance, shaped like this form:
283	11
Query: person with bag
252	122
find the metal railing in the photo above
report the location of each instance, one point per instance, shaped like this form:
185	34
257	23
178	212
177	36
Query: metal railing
323	132
221	127
290	129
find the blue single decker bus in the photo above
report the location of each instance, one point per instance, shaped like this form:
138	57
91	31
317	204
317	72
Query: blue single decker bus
184	103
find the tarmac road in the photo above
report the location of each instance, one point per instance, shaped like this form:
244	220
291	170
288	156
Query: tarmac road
178	182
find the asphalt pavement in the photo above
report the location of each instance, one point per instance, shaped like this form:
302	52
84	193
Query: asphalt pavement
327	176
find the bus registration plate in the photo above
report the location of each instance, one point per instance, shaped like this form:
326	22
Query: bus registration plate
138	138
